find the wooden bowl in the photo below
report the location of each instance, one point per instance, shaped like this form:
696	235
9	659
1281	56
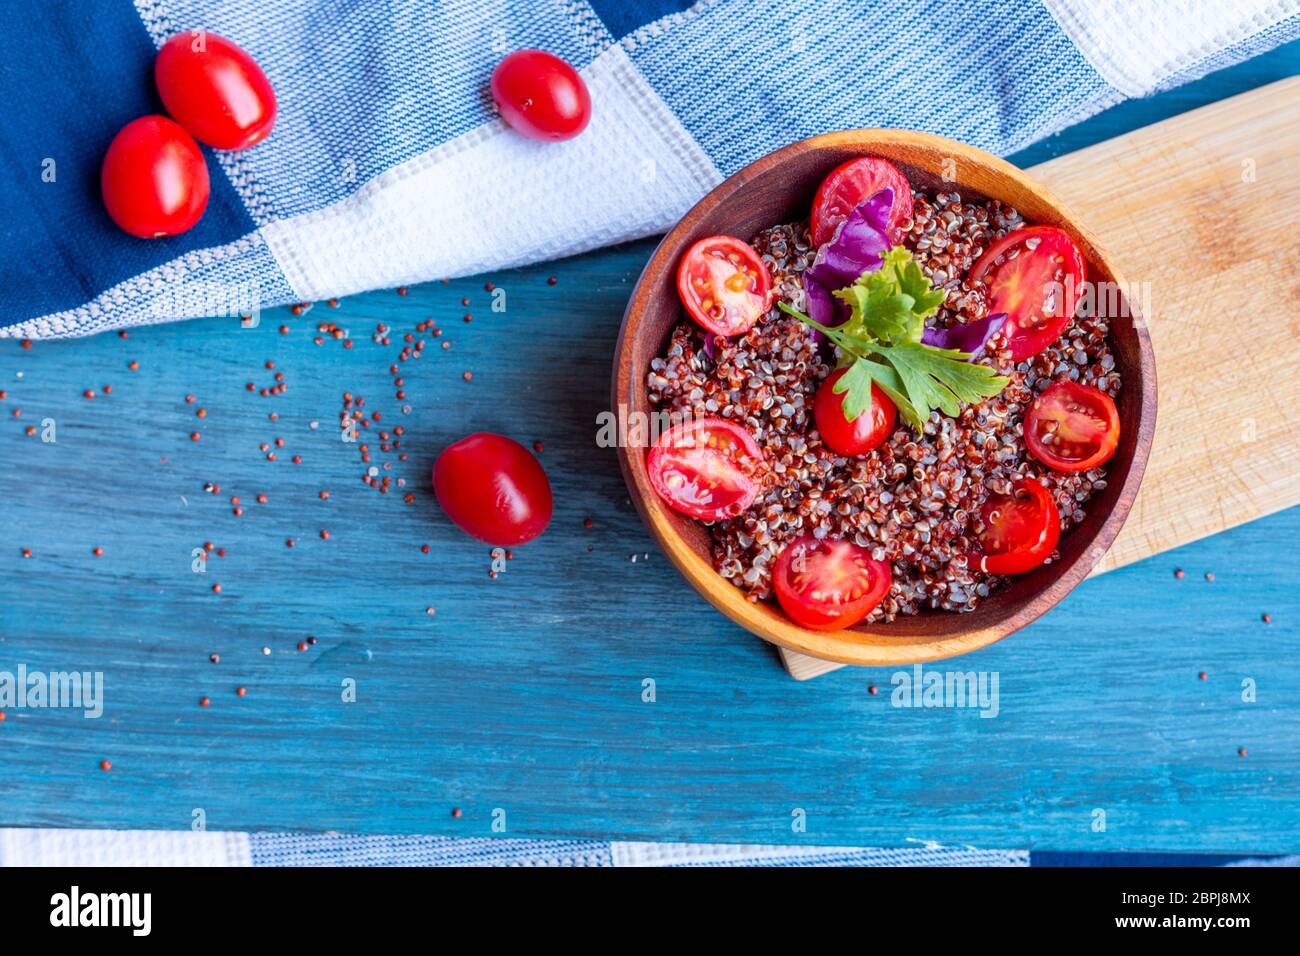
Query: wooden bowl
779	188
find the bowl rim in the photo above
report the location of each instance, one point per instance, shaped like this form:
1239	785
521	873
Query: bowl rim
762	619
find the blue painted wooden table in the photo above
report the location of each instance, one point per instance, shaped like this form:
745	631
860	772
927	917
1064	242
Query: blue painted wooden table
522	698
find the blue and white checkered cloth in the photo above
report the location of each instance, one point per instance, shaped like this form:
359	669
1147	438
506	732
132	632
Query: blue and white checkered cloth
387	165
83	848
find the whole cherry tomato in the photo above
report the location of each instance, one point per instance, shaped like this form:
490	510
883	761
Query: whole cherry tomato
859	436
154	178
493	489
540	95
215	90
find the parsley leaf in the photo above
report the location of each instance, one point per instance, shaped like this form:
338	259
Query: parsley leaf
881	343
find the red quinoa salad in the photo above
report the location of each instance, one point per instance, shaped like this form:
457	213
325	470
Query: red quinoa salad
887	408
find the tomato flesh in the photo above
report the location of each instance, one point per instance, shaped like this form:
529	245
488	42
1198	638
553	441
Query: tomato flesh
828	584
493	489
724	285
845	188
540	96
1021	529
706	468
862	434
1034	275
215	90
154	178
1072	427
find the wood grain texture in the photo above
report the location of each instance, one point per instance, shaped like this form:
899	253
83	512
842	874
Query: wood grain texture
779	188
525	693
1200	211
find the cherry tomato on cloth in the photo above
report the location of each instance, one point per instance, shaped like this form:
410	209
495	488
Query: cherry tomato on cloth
829	583
1033	275
848	185
706	468
215	90
1020	529
724	285
540	95
154	178
1072	427
493	489
855	437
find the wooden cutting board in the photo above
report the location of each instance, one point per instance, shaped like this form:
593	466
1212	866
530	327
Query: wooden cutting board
1203	211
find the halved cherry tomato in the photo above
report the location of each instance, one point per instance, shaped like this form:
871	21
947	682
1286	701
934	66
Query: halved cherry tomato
706	468
493	489
1020	529
540	95
848	185
154	178
1034	275
1072	427
724	285
859	436
215	90
829	583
